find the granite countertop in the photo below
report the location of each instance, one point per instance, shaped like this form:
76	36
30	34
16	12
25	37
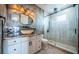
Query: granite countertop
29	35
21	36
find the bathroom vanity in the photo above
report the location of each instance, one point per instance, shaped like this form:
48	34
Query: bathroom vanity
22	44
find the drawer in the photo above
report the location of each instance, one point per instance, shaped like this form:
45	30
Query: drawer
15	41
11	42
16	49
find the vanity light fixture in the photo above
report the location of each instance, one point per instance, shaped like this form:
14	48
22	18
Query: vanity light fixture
21	9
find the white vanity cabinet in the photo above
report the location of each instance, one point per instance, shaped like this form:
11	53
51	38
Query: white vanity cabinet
17	45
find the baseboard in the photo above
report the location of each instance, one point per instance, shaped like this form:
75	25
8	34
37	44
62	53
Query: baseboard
37	51
63	46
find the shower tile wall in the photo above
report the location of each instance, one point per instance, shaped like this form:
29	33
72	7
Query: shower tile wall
63	32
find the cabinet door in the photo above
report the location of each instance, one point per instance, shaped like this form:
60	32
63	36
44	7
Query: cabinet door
31	48
35	44
32	45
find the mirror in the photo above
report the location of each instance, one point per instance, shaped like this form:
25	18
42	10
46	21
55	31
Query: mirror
25	20
13	19
14	16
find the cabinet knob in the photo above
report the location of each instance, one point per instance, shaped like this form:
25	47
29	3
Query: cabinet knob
14	49
14	41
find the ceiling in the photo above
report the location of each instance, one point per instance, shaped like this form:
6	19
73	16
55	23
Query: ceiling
49	8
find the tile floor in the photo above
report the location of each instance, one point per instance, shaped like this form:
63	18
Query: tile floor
49	49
